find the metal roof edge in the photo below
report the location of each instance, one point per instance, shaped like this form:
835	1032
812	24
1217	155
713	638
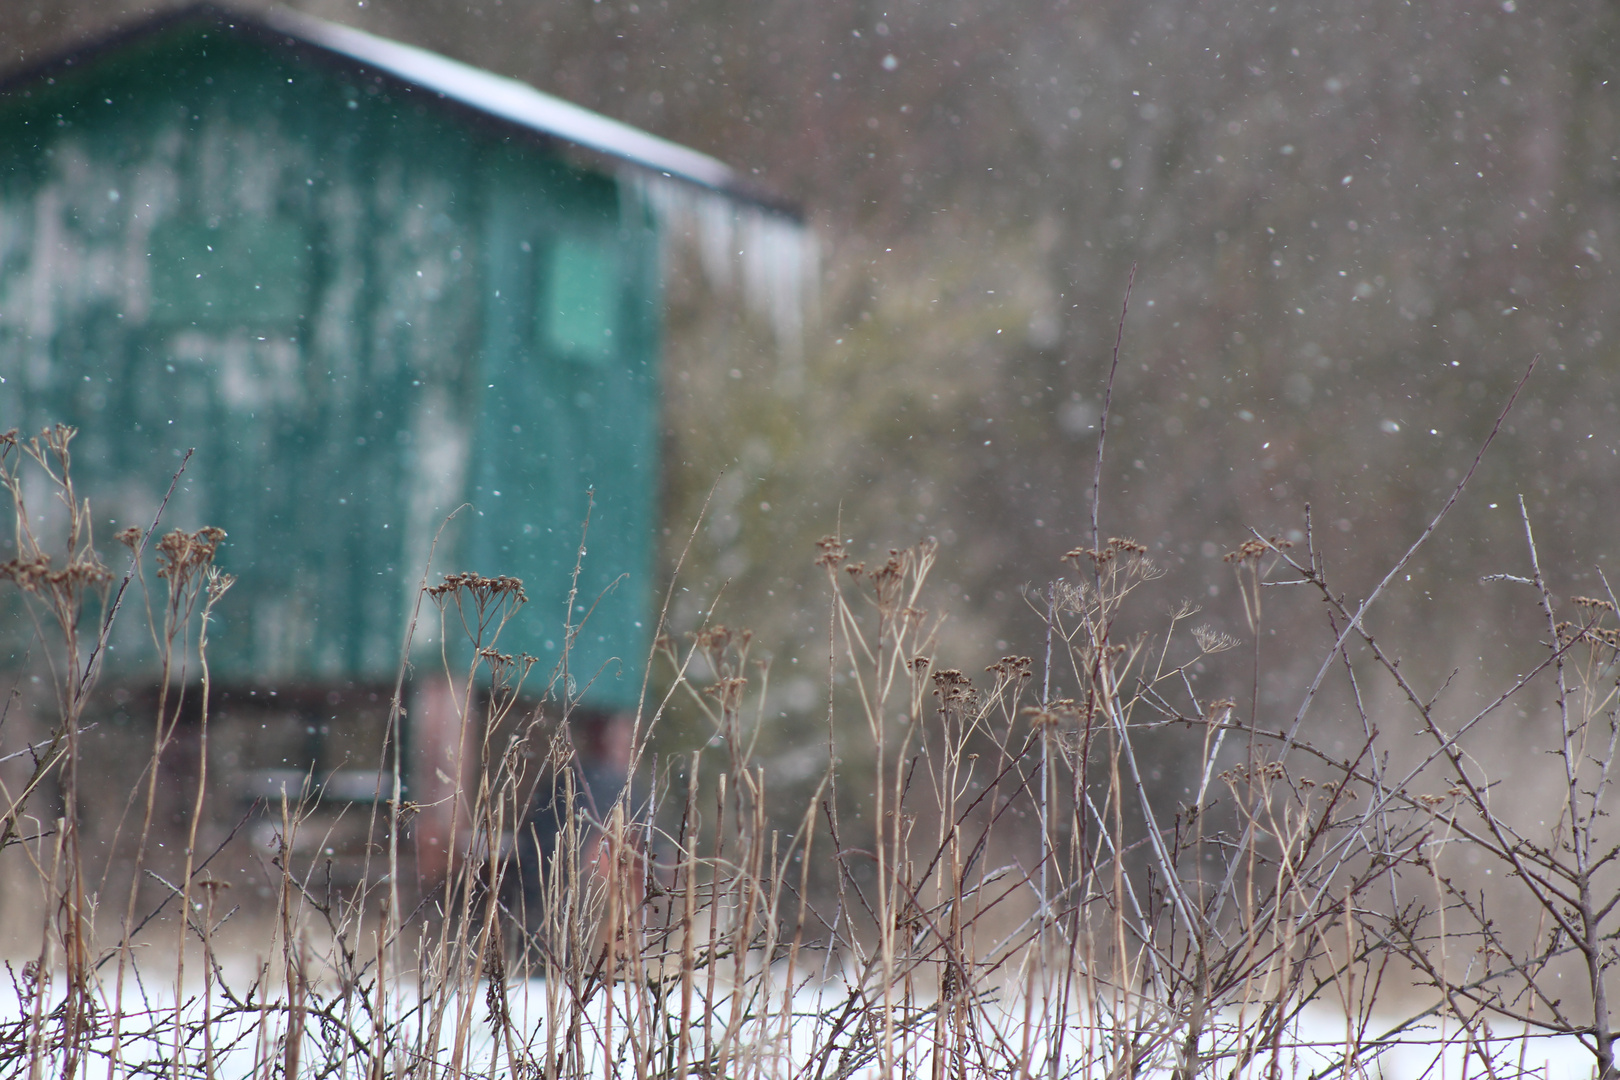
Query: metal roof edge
498	96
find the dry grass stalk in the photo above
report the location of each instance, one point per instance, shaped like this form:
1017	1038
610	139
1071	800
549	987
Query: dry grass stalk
679	932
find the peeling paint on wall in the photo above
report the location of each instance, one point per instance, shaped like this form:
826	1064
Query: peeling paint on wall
345	296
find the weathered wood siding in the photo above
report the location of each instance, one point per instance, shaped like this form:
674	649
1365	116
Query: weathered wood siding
363	307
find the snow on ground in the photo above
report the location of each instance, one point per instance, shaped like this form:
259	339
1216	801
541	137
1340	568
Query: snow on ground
244	1041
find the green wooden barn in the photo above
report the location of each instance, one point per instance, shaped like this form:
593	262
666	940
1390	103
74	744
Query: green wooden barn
368	284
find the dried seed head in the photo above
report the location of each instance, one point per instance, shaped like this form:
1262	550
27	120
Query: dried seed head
728	692
27	573
1011	667
219	583
482	589
179	553
1211	640
952	687
1131	555
832	551
714	638
1569	633
1247	551
1069	596
1052	714
1185	609
33	573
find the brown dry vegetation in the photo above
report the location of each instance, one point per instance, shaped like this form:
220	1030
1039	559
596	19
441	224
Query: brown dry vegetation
975	229
1020	888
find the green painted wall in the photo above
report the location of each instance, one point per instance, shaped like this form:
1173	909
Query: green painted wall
364	307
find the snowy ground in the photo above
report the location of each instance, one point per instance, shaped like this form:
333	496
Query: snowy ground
245	1042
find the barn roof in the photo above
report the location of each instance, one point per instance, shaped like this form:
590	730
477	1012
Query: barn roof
497	96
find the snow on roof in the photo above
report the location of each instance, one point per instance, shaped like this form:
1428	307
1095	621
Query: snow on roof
744	235
509	99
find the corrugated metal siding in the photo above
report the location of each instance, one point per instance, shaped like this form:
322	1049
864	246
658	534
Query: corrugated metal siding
338	292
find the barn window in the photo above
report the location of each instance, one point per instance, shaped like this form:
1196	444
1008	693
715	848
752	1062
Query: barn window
579	299
235	272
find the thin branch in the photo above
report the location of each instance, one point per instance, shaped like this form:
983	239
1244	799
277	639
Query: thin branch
1355	620
1108	402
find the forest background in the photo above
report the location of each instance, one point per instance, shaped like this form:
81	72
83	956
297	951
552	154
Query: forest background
1354	225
